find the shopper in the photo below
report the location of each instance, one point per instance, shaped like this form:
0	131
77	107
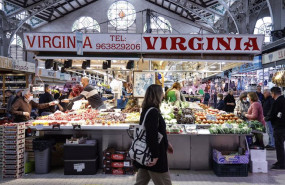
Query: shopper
277	118
154	124
242	106
267	104
259	94
173	94
255	111
10	96
206	98
46	98
221	103
230	102
90	93
18	95
21	109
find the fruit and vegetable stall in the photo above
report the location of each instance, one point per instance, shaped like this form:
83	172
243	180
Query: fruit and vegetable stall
193	129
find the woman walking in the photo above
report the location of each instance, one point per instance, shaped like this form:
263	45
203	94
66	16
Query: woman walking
157	170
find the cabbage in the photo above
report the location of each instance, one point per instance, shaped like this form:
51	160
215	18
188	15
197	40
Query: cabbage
213	130
173	121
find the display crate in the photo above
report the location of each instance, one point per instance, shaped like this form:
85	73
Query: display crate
230	170
225	158
81	167
81	151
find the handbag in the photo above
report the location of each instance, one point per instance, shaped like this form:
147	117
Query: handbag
139	150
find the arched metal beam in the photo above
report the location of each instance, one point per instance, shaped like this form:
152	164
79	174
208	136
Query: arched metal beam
197	14
36	10
222	2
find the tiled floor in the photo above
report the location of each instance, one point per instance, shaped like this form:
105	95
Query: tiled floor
179	177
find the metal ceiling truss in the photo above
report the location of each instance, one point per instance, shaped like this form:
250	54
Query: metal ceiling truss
255	6
193	13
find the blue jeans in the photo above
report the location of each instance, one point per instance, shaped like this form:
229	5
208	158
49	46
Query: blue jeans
269	130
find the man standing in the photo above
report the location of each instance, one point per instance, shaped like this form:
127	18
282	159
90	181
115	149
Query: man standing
267	104
46	98
10	96
90	93
277	118
230	102
22	108
259	94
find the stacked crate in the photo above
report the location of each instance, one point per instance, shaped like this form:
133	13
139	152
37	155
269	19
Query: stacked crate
117	162
1	148
13	150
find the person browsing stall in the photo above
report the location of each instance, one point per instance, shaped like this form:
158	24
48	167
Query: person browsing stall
22	108
255	111
221	102
259	94
277	118
230	102
242	106
90	93
267	104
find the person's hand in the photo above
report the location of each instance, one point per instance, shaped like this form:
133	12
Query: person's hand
65	101
246	115
170	149
154	161
51	103
26	114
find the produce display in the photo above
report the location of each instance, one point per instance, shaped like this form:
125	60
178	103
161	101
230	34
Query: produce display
87	117
175	129
132	106
228	128
214	116
179	113
256	125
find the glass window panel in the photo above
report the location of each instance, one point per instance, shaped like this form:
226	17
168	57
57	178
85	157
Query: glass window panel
264	26
86	24
121	14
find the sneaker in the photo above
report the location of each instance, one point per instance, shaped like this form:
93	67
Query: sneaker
277	167
275	164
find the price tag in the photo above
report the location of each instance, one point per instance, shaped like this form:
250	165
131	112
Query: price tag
79	167
188	116
127	164
39	127
211	117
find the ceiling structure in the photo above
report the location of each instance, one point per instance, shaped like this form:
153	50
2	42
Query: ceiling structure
203	14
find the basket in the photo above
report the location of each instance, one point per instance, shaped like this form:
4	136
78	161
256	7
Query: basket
230	170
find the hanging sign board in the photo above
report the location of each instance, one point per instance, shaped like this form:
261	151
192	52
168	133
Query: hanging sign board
23	66
145	43
248	67
274	56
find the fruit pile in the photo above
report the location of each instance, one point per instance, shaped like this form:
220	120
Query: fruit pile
201	118
203	106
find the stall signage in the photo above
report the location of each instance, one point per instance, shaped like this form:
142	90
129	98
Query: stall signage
23	66
145	43
6	63
46	73
248	67
274	56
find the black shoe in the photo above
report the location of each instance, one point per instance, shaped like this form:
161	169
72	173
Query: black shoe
275	164
278	167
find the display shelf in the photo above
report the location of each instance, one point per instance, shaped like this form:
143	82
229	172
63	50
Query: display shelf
84	127
14	82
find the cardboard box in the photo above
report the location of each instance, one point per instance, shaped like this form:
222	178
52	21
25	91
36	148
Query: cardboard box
258	155
259	166
225	157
